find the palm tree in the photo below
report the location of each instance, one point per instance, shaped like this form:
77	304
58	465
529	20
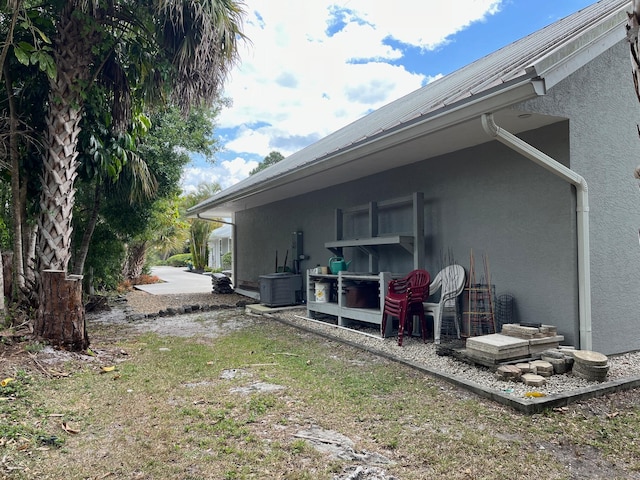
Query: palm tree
173	49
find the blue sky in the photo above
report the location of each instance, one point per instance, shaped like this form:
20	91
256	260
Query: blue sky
313	67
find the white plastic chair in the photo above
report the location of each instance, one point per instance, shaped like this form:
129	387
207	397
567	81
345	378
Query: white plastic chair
450	280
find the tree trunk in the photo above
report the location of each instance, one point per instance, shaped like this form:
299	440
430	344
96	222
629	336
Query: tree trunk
136	257
29	247
83	251
60	320
2	297
73	56
16	207
7	266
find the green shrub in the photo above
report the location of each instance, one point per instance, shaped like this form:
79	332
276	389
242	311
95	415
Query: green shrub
179	260
226	261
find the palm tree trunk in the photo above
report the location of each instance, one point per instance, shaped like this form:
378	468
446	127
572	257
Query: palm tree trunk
61	323
136	257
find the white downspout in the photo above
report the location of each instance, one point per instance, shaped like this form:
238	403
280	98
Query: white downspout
582	216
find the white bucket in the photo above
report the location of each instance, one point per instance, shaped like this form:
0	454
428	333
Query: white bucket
322	292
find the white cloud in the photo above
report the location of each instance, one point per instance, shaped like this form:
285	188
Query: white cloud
297	82
226	174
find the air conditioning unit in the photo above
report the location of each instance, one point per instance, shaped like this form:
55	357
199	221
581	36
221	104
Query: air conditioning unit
280	289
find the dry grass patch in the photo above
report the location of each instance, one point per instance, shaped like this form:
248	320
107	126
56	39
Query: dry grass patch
179	408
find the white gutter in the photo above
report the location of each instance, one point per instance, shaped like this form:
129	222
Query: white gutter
582	216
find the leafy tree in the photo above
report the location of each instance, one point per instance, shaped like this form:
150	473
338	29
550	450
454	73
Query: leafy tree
271	159
141	222
170	229
26	62
168	48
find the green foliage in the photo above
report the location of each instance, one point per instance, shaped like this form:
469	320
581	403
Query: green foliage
271	159
227	260
200	231
170	232
5	237
31	43
106	257
34	347
179	260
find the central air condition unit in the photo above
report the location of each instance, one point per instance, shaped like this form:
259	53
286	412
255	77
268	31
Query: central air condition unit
280	289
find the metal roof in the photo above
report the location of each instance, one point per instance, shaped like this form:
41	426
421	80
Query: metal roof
523	69
221	232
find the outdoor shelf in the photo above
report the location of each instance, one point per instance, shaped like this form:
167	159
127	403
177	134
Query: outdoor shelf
369	244
412	241
337	306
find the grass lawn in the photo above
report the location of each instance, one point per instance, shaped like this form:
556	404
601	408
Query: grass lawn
180	408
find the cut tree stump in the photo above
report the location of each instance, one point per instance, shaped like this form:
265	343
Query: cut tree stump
61	315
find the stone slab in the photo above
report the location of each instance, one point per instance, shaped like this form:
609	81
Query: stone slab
596	373
547	341
476	358
560	365
542	366
504	355
496	343
482	358
517	330
533	380
588	357
508	372
526	367
553	353
549	330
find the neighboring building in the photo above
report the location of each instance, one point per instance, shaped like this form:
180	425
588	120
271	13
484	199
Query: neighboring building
526	155
220	242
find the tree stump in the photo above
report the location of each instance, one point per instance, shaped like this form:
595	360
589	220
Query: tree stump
7	267
61	315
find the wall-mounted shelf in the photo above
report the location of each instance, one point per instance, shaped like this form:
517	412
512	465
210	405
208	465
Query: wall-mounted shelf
412	243
368	244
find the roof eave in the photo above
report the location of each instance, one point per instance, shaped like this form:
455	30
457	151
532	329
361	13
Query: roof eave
504	96
565	60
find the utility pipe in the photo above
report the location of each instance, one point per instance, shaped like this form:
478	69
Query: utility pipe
582	215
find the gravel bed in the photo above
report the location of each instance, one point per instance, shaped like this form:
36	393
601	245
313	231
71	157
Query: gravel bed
424	354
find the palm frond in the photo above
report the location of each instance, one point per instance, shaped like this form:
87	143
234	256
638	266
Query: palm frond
143	184
202	39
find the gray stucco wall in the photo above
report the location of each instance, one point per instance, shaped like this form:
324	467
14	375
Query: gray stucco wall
601	104
485	198
491	200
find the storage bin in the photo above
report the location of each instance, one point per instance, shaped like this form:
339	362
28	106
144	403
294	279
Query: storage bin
362	296
322	292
